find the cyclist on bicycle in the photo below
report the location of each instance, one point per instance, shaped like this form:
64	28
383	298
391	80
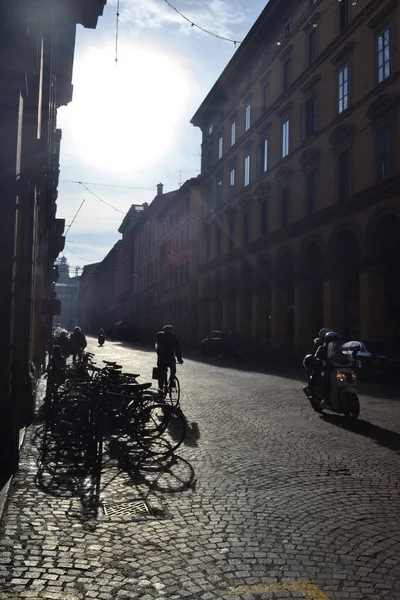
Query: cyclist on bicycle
78	343
168	347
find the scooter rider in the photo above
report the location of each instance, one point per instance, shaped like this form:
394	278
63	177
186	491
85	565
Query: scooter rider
312	366
331	356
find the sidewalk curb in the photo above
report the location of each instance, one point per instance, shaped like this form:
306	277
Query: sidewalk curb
4	491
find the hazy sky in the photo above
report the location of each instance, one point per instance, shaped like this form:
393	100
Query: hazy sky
129	122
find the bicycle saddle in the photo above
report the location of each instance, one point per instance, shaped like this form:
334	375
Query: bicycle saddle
136	387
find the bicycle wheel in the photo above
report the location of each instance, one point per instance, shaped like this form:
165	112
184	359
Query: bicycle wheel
160	429
174	391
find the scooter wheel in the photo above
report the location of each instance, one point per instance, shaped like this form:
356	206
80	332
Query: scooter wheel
316	405
352	409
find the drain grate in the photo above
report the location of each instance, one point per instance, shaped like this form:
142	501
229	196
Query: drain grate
126	509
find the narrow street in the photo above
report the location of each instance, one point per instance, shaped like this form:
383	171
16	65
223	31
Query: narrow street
266	499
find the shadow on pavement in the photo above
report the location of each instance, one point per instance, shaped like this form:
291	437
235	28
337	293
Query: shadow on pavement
167	474
383	437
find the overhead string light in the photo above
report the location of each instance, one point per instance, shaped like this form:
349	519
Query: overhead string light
101	199
116	32
276	42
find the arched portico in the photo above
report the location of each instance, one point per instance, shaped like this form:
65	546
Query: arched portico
309	295
244	300
282	301
380	284
230	292
341	291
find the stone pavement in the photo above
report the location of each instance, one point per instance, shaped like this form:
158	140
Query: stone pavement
265	500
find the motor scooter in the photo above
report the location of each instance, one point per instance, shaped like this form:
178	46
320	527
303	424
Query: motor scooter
340	396
101	339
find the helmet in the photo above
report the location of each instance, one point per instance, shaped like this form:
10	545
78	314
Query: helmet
332	336
323	332
76	329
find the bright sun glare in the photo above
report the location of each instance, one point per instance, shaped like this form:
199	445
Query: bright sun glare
124	116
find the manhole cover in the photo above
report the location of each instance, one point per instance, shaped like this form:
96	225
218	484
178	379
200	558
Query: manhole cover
126	509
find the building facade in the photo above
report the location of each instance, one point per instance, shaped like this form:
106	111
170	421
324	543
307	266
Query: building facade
178	223
37	40
124	301
300	217
67	291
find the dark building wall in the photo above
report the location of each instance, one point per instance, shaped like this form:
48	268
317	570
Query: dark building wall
36	59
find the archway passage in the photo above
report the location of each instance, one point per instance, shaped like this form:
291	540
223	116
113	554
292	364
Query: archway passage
230	300
387	243
282	321
206	306
345	257
262	309
218	311
245	301
309	301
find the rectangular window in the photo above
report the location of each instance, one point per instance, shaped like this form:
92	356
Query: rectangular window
286	74
285	199
265	98
233	133
248	117
210	129
265	156
208	199
312	46
218	243
285	138
231	235
231	182
263	217
220	146
344	7
343	88
246	228
343	174
219	192
310	192
384	54
207	246
209	158
310	118
384	151
247	170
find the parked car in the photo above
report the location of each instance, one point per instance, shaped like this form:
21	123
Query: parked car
371	365
221	342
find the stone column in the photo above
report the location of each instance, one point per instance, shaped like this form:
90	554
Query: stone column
279	316
334	308
225	324
239	319
303	318
258	317
372	307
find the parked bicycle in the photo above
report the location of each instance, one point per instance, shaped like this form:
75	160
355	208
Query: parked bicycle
97	403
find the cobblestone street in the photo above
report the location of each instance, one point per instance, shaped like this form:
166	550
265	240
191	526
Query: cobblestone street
265	500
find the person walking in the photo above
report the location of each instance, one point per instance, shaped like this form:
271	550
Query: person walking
78	343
